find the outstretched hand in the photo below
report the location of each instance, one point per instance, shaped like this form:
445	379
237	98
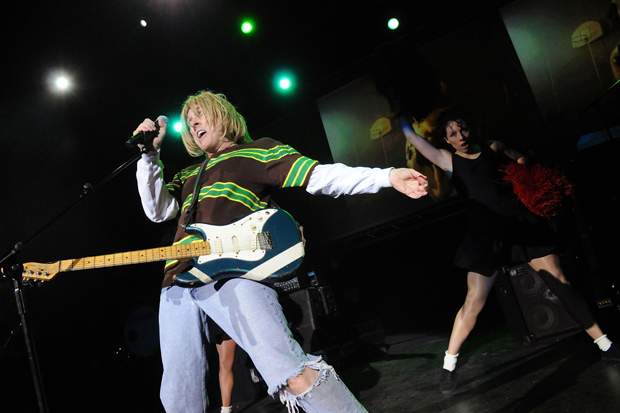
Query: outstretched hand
409	182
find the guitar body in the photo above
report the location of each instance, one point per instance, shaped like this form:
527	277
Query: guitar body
263	246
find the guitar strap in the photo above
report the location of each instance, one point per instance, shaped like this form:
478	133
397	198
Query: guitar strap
191	209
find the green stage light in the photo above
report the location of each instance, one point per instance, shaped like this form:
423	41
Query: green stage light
177	126
393	24
284	82
246	27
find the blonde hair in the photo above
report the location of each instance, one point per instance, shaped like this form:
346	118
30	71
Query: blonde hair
217	110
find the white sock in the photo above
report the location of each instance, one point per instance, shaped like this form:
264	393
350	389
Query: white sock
449	361
226	409
603	342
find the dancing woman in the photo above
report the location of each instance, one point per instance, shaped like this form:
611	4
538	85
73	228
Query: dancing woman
501	231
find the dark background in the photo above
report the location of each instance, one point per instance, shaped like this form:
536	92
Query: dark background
398	271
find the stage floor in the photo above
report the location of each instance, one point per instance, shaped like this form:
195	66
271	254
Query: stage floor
495	374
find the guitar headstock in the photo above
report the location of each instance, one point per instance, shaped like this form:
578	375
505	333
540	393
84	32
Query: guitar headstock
40	272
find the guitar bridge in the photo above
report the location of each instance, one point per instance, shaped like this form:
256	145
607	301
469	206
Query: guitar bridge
264	240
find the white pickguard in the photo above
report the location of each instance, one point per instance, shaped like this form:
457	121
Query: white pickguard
238	240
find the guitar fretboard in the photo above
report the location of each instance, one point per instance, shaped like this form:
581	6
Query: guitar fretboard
174	252
44	272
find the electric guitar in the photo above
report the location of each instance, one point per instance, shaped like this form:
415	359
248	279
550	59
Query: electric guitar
263	246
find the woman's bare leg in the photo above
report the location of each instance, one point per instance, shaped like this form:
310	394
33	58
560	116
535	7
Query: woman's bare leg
226	351
478	288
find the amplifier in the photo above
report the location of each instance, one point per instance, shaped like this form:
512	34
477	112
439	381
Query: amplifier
303	280
287	286
311	314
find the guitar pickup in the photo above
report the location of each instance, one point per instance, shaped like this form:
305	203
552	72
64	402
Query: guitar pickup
235	245
219	248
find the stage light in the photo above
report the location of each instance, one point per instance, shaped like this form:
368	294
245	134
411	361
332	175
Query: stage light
177	126
246	27
59	82
285	83
62	83
143	23
393	24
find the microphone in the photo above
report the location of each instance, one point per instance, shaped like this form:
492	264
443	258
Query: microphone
146	137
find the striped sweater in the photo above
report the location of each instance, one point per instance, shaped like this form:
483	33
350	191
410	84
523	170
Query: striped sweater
235	182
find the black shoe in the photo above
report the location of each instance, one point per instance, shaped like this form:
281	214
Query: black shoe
612	353
447	381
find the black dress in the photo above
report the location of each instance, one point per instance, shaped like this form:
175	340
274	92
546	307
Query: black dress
502	230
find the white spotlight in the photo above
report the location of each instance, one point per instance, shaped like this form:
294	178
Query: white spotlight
62	83
143	23
59	81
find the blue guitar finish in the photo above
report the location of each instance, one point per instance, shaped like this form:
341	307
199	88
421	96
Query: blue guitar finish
263	246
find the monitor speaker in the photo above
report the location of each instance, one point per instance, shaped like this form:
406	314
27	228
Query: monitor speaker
312	317
532	311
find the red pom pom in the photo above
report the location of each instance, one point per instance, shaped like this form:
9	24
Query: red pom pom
544	191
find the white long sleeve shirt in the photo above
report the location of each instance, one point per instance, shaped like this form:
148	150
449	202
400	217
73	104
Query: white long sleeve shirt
332	179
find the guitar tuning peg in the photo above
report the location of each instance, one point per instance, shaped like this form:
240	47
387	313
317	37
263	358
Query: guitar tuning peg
32	283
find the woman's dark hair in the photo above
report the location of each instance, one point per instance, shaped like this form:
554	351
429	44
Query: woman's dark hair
409	84
455	114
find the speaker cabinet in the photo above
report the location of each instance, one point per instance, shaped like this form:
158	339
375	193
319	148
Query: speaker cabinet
311	314
531	310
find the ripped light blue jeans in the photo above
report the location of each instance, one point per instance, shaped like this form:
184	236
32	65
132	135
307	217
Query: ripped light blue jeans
251	315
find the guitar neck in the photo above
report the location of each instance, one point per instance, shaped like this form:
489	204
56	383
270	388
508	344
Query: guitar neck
174	252
45	272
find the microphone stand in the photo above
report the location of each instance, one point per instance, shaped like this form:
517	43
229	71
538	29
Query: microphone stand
10	267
